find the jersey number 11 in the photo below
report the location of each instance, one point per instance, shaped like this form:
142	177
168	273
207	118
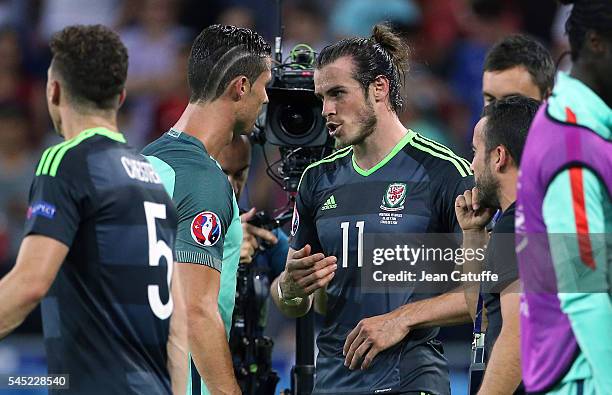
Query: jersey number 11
345	235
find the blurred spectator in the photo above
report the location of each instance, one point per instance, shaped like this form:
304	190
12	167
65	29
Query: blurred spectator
304	23
486	22
57	14
17	164
424	95
171	106
153	44
16	86
237	16
6	12
356	17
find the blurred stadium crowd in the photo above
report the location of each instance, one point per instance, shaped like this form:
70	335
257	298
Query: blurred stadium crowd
449	40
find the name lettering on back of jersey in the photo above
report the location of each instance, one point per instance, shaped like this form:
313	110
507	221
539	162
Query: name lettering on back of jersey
329	204
206	228
140	170
394	197
41	208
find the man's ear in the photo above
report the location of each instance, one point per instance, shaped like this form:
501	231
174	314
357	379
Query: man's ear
54	92
504	160
239	87
381	88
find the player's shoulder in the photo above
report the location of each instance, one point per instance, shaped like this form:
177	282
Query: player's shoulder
181	154
505	224
329	164
70	158
439	161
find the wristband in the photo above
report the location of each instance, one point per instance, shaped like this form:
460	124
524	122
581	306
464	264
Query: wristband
289	302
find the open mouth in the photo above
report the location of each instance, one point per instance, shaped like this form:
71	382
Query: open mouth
333	128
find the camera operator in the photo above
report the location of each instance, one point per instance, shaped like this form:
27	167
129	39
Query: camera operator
235	160
262	258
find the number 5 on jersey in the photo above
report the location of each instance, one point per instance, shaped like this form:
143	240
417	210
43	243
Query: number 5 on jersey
158	249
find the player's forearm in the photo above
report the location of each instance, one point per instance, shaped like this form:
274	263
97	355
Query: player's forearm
473	240
178	362
289	310
443	310
503	373
210	351
19	297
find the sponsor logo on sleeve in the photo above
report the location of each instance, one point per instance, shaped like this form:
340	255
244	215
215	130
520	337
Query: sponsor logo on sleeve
206	228
295	223
41	208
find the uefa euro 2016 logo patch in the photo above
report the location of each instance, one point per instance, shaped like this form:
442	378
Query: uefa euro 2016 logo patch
394	197
206	228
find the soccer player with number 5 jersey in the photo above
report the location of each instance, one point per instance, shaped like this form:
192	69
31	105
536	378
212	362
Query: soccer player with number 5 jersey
99	233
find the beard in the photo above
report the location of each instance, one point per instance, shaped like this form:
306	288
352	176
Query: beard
367	121
488	188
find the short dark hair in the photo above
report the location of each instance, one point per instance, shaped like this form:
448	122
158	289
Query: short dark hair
92	61
221	53
384	53
521	50
508	121
587	15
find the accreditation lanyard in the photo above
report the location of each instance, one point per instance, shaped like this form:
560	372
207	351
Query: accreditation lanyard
478	336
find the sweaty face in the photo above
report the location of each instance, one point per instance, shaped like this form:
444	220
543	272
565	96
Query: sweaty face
235	160
349	113
513	81
487	184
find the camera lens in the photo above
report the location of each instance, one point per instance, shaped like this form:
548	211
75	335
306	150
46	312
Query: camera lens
296	120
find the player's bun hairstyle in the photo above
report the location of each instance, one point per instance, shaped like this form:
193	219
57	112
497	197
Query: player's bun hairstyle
221	53
384	53
520	50
92	62
587	15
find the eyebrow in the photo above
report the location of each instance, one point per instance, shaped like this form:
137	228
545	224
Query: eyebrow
333	88
488	95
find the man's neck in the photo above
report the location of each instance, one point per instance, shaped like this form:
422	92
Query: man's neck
388	132
73	123
508	190
582	73
211	123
